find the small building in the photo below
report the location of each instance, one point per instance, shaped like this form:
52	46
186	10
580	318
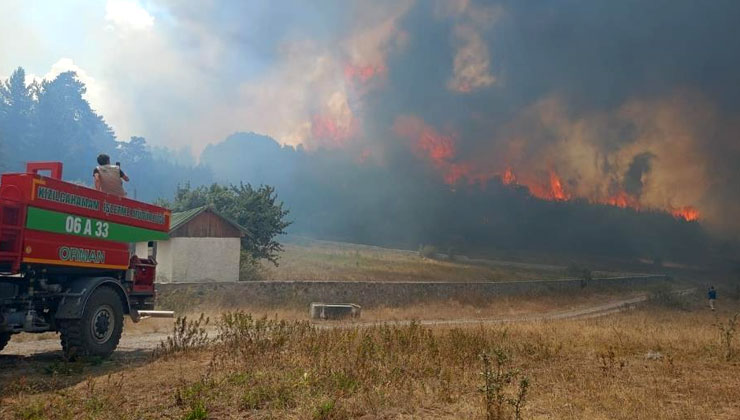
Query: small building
204	246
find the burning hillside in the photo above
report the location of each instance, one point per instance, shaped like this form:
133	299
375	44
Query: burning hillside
479	94
441	151
562	103
493	120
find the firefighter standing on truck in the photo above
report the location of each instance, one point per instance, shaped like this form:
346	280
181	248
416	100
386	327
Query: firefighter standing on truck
109	178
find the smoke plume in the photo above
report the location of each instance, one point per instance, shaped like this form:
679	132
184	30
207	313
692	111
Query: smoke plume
629	105
624	104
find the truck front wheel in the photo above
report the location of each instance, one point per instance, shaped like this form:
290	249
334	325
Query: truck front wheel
4	338
99	330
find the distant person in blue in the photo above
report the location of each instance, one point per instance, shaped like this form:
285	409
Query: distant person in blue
712	295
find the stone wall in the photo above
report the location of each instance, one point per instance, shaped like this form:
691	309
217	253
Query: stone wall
369	294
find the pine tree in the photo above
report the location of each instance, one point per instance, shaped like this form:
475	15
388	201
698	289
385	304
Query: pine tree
16	118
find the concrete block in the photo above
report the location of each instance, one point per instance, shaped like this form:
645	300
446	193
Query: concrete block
321	310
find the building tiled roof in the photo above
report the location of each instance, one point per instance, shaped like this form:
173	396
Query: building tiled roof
180	218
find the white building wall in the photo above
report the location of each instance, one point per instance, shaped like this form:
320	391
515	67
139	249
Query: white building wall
200	260
141	249
164	259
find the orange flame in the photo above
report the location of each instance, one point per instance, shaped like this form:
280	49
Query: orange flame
327	128
437	147
440	149
508	178
623	200
556	188
555	191
687	213
552	190
362	73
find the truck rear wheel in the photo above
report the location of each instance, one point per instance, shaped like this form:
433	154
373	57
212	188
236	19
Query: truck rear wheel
99	330
4	338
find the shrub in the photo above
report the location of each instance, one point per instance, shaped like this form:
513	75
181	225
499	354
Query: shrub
428	251
33	411
193	397
197	412
186	336
250	268
260	396
727	335
328	410
504	389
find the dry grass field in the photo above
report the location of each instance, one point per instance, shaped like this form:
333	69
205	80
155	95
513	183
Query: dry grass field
498	307
669	359
306	259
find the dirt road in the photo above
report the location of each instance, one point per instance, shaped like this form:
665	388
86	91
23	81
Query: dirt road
135	344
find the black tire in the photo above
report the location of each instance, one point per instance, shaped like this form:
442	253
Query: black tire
4	338
99	330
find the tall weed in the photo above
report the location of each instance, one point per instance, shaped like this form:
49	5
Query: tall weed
504	388
186	336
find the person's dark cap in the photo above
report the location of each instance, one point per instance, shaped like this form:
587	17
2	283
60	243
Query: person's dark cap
103	159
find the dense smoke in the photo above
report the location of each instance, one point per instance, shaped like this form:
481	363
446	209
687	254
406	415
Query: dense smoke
450	115
620	103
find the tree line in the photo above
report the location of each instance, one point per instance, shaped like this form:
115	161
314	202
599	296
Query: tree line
331	194
51	120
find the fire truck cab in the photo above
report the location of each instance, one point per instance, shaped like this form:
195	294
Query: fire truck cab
66	263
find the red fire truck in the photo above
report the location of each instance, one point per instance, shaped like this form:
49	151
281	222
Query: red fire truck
66	263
